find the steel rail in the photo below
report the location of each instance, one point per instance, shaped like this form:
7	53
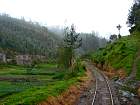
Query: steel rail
111	96
96	87
95	92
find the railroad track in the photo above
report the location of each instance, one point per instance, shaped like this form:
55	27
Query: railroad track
102	93
99	92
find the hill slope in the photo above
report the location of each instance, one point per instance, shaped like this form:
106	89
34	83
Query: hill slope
120	55
20	36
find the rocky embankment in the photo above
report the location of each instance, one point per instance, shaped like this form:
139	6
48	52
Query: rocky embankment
128	90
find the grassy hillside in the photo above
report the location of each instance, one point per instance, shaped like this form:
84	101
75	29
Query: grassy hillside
20	36
119	54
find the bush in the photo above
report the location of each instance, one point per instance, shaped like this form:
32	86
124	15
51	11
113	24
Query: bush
119	54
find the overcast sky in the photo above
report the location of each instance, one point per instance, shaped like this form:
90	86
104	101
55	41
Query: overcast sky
88	15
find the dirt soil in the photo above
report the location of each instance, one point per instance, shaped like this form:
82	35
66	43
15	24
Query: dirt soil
71	96
134	67
14	79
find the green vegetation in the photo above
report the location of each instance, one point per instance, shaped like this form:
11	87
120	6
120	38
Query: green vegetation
19	87
130	89
91	42
20	36
71	41
134	17
119	54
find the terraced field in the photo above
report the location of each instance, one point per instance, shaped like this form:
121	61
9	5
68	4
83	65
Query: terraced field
22	85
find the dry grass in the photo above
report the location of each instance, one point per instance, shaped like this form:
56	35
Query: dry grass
111	72
139	92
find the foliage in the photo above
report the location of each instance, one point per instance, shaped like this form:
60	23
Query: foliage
134	17
71	42
119	54
91	42
72	39
65	55
35	95
26	89
20	36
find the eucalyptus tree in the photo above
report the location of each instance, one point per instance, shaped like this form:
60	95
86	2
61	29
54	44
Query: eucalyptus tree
71	41
134	17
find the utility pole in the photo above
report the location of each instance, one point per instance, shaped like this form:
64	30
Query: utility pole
119	28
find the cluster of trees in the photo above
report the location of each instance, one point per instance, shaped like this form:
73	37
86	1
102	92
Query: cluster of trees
20	36
77	44
91	42
134	17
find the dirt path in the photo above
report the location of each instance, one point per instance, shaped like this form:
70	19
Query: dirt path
134	67
87	96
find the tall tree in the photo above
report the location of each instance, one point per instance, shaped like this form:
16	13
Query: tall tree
71	41
134	17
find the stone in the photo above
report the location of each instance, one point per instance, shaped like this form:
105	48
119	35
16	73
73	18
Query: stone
23	60
2	58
